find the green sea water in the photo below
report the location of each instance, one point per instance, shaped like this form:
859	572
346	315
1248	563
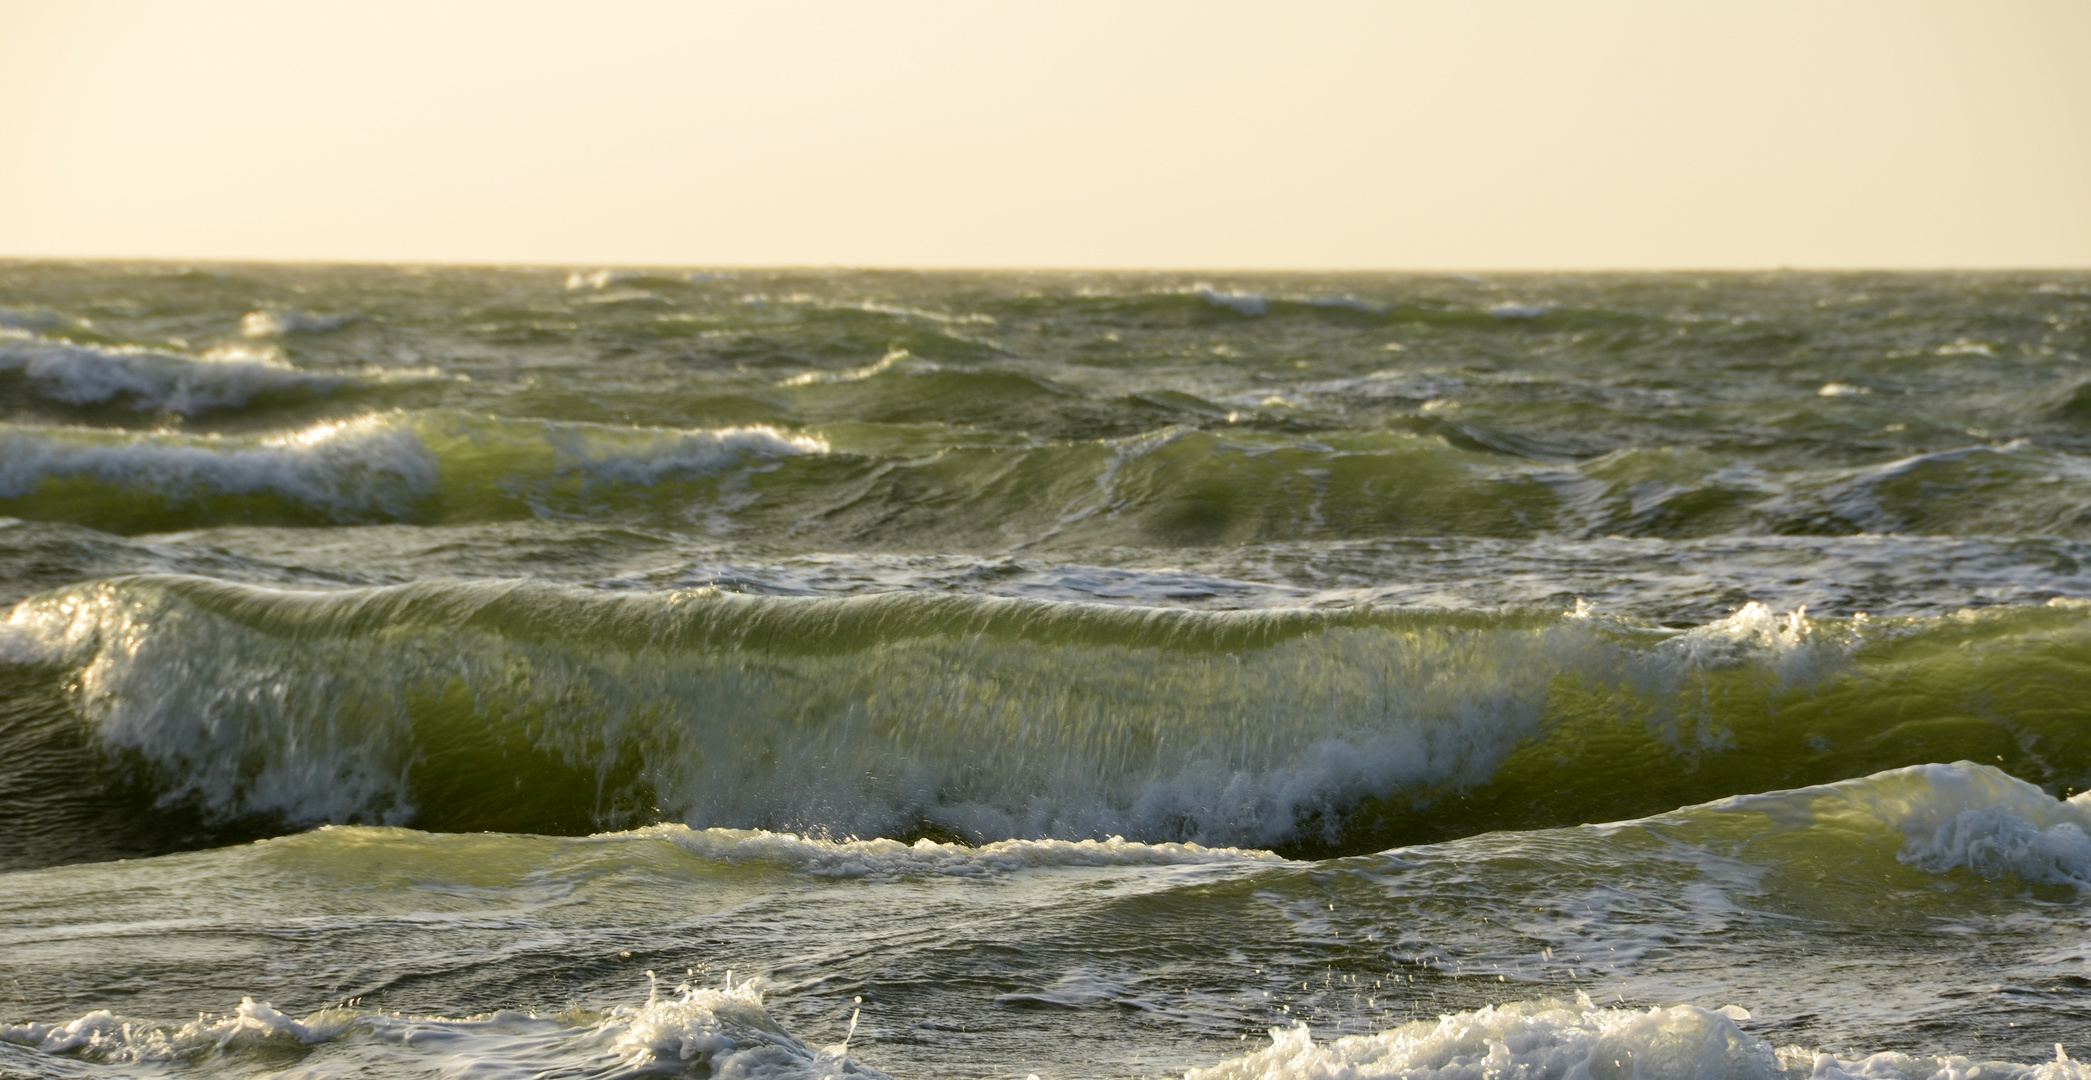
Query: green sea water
588	673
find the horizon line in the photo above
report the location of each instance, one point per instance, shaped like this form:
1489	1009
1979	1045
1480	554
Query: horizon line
574	265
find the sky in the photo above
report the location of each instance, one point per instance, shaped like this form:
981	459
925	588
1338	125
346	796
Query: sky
1482	134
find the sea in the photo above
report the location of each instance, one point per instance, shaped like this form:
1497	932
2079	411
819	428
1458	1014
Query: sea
587	672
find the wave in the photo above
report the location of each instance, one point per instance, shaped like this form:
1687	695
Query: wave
729	1031
952	717
700	1030
150	381
1243	303
1959	817
281	323
1551	1038
891	858
333	471
379	467
855	483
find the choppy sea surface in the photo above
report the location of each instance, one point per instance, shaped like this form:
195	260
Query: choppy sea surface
594	673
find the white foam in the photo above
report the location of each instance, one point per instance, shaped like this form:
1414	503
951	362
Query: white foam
811	378
1793	650
1961	816
1838	389
1245	303
357	467
1520	311
86	375
278	323
103	1036
1554	1039
891	858
1995	842
717	1032
964	318
647	456
599	279
1964	347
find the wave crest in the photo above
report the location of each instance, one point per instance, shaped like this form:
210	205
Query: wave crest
146	380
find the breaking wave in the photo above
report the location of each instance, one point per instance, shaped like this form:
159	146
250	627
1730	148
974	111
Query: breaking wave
379	467
904	715
150	381
1580	1039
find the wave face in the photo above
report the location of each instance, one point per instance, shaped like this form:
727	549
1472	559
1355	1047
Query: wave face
523	707
1176	486
373	468
418	671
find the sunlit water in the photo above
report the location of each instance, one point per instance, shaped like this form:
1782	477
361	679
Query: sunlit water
584	674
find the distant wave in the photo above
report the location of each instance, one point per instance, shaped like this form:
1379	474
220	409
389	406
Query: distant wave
279	323
156	381
379	467
342	470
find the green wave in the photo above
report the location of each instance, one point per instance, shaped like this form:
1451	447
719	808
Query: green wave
926	487
462	706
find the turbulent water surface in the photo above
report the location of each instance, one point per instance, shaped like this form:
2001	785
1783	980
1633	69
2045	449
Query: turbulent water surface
471	673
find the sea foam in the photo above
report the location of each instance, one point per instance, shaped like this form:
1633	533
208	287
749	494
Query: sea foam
1960	816
890	858
279	323
1555	1039
723	1032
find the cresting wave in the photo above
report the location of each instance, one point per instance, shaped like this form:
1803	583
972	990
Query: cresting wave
1959	817
1176	486
152	381
436	704
1580	1039
380	467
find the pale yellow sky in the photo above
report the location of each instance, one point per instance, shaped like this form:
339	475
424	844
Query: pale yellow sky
1486	135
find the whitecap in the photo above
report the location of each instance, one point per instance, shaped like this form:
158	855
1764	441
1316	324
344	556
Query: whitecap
811	378
1244	303
351	467
279	323
712	1031
149	380
889	858
1579	1039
